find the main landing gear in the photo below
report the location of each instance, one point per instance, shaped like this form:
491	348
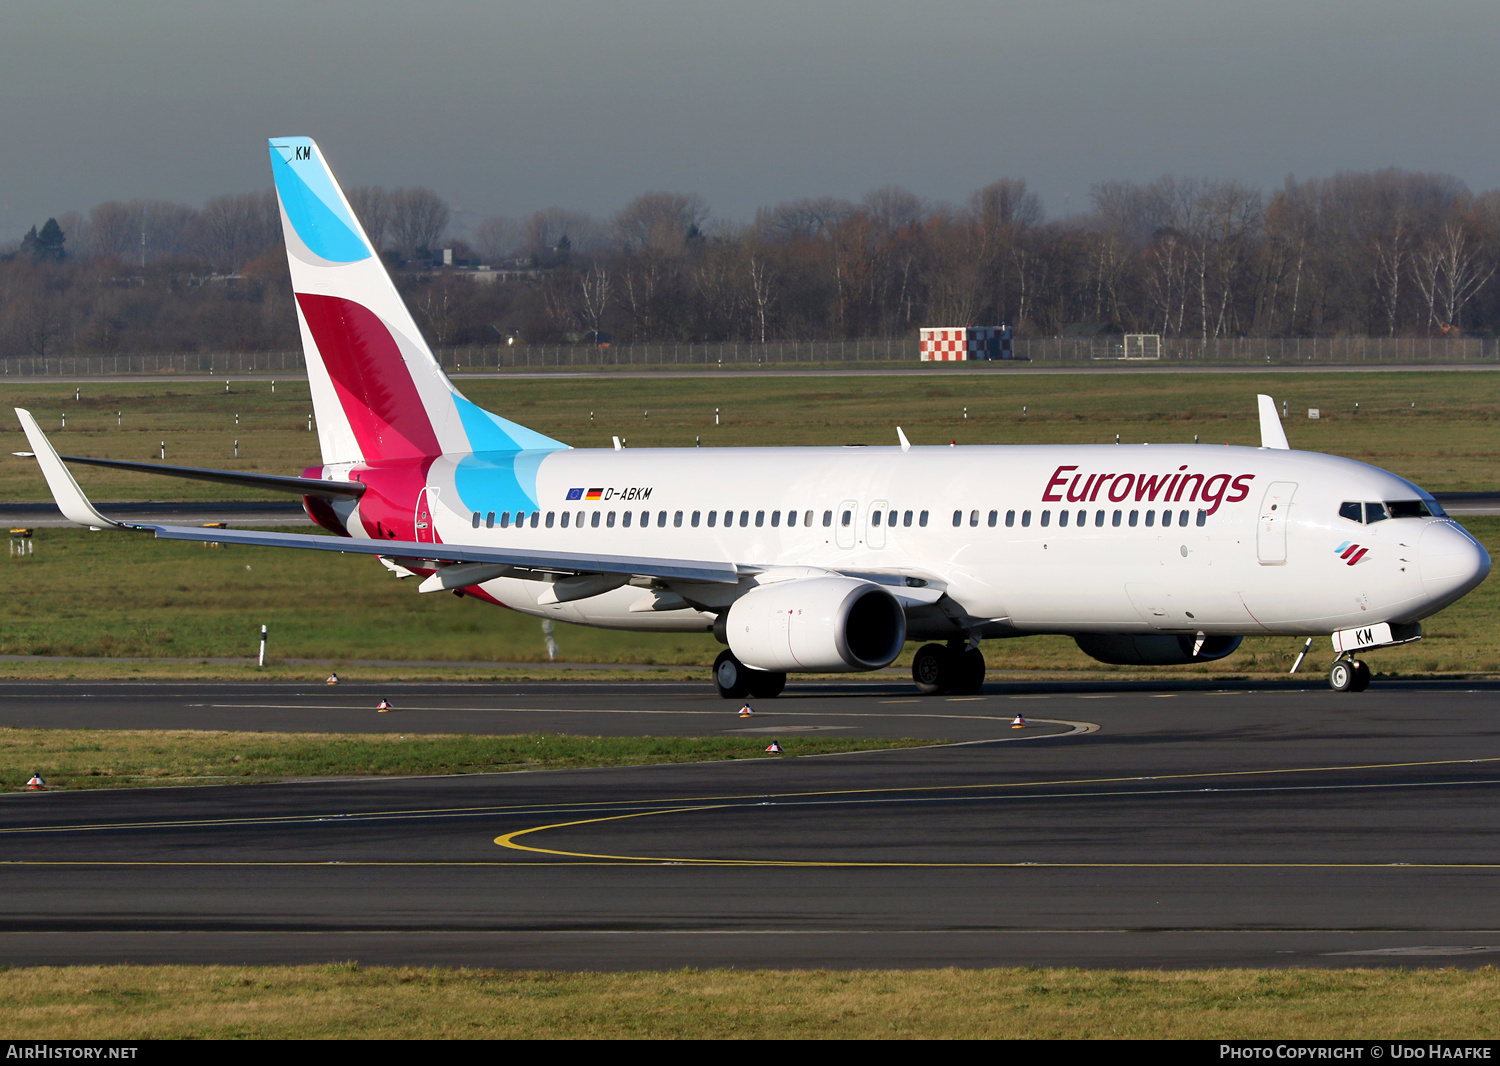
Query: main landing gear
735	680
956	668
1349	675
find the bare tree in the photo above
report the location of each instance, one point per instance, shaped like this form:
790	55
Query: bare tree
373	209
231	230
1462	270
1166	279
418	220
1002	214
115	231
661	222
547	230
140	231
801	218
497	238
594	289
763	284
717	280
893	209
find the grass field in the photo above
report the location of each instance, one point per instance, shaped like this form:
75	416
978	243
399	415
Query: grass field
122	758
346	1001
88	594
105	594
1446	442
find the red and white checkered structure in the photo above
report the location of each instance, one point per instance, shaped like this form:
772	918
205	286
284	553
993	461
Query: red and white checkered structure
954	344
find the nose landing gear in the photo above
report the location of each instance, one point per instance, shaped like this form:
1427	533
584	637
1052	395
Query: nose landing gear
1349	675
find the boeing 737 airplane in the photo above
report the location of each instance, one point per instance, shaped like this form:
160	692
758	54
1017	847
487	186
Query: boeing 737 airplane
820	559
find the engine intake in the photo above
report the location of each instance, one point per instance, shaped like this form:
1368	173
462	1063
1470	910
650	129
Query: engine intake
1126	649
831	624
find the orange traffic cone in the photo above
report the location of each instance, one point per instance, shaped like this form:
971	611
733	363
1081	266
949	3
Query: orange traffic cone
333	679
745	711
1018	722
385	705
774	748
36	784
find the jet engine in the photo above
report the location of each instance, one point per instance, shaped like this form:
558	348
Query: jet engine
1125	649
815	624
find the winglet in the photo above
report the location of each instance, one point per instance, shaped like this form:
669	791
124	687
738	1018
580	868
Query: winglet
70	499
1271	433
905	444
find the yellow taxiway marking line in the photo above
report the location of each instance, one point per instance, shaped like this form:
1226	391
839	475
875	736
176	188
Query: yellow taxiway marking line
736	798
510	841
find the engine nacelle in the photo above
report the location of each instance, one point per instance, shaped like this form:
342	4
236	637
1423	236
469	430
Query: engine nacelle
1125	649
824	624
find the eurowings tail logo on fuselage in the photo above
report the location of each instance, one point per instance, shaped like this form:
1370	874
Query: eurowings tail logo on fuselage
1350	552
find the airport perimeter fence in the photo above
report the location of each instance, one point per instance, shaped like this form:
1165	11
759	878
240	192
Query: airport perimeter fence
1037	351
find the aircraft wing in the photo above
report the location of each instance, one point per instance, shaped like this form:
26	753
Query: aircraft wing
494	562
411	551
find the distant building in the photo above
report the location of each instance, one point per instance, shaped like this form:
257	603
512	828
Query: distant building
954	344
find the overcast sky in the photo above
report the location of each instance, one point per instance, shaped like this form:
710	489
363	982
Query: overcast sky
505	108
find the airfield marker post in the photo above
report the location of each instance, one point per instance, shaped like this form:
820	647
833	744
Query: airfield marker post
262	661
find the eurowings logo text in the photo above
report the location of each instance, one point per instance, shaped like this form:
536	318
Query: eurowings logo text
1148	488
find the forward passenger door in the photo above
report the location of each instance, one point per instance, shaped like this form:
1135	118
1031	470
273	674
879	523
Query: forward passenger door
846	524
1270	532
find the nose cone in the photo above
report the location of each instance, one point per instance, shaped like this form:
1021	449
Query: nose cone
1452	562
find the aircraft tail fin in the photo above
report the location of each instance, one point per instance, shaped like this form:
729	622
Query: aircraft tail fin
377	390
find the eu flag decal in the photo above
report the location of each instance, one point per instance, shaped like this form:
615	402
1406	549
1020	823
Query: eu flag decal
575	494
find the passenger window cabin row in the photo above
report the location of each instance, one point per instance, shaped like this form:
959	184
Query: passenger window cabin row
891	518
1081	518
627	518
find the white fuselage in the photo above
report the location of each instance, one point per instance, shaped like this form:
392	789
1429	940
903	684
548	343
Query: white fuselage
1263	548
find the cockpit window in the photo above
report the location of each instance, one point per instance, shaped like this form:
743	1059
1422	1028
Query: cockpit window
1413	509
1367	513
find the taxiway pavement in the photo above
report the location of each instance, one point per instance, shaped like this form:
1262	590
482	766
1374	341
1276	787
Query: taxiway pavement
1189	825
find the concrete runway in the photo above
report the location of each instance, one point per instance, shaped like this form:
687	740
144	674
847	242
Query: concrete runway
1134	824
